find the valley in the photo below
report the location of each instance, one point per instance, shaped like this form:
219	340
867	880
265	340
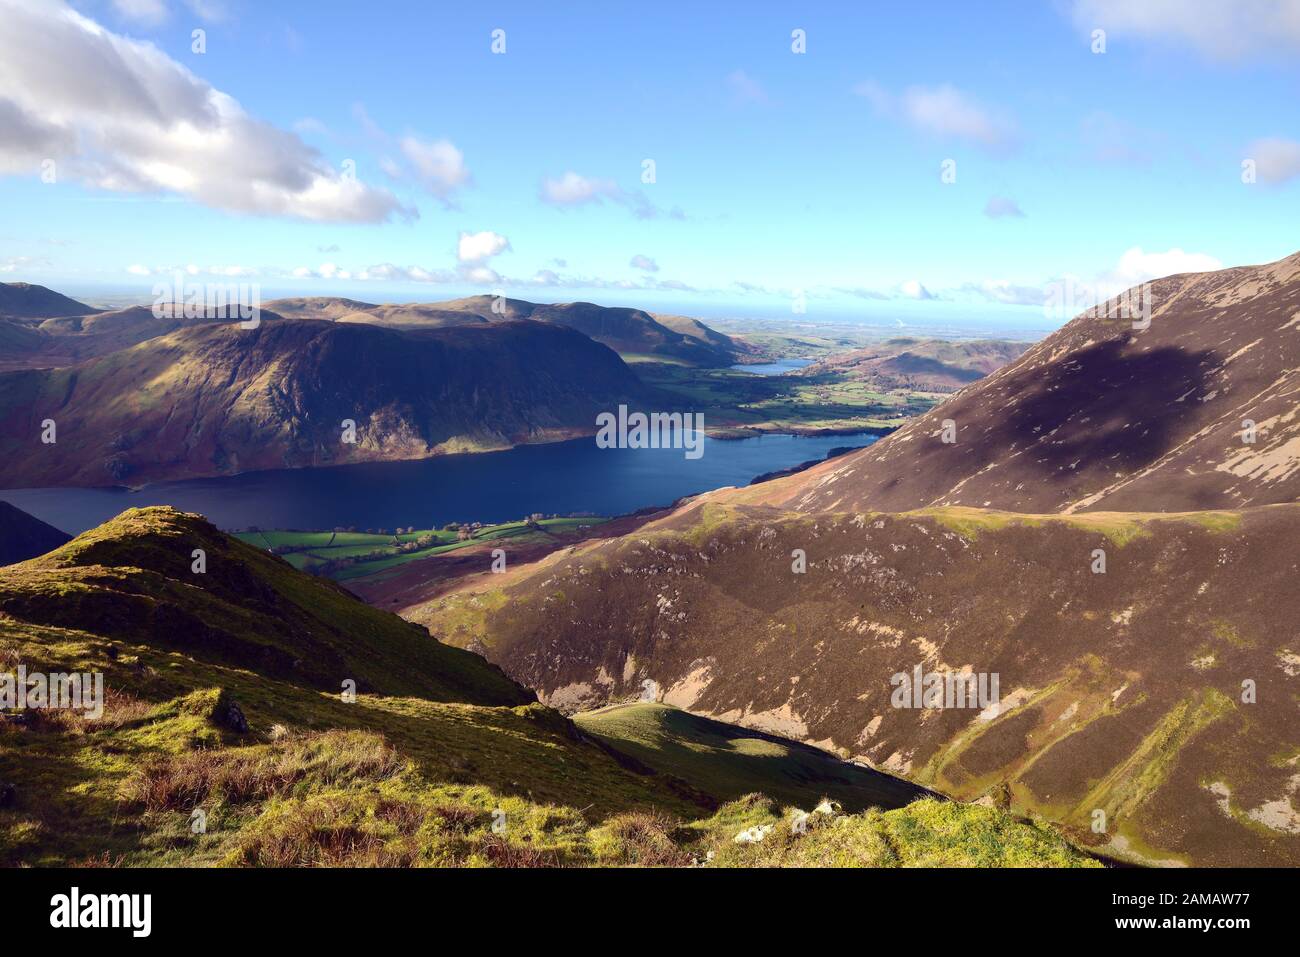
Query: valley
299	726
146	396
1103	534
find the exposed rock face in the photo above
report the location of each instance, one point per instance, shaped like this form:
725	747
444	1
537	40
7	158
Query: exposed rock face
216	399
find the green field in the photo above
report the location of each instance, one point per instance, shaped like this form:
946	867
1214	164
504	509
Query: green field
733	401
728	761
345	556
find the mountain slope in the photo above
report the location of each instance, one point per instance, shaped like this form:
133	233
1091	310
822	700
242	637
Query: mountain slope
225	740
216	399
24	300
1102	416
22	536
1120	692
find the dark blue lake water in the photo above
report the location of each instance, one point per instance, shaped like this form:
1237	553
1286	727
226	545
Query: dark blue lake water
560	477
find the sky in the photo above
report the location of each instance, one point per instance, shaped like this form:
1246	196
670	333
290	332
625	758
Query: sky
948	162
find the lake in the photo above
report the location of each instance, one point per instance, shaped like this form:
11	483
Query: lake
559	477
779	367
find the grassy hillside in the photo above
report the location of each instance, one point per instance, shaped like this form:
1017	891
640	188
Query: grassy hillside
224	739
728	761
1160	692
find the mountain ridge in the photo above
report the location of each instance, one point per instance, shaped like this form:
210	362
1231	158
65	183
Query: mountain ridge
214	399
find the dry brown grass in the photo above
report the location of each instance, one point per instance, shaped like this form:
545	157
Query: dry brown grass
181	782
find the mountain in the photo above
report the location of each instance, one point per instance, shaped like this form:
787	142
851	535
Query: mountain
24	300
214	399
23	536
632	333
1099	416
230	734
918	365
688	326
1099	536
1120	692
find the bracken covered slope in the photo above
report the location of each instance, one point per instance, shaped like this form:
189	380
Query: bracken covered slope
1127	691
217	399
1102	416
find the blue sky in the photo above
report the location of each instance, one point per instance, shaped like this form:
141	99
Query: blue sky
775	172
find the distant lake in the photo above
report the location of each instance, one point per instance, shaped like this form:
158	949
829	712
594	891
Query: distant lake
559	477
779	367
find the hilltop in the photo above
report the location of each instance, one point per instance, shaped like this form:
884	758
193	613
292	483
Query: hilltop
25	300
1196	411
633	333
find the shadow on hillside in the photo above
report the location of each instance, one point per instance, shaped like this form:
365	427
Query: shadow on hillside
1113	409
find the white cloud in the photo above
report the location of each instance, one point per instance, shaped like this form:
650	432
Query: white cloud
1138	266
150	12
912	289
11	264
945	112
644	263
999	207
477	247
1219	29
155	12
136	269
1006	293
438	165
572	189
119	114
1276	160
